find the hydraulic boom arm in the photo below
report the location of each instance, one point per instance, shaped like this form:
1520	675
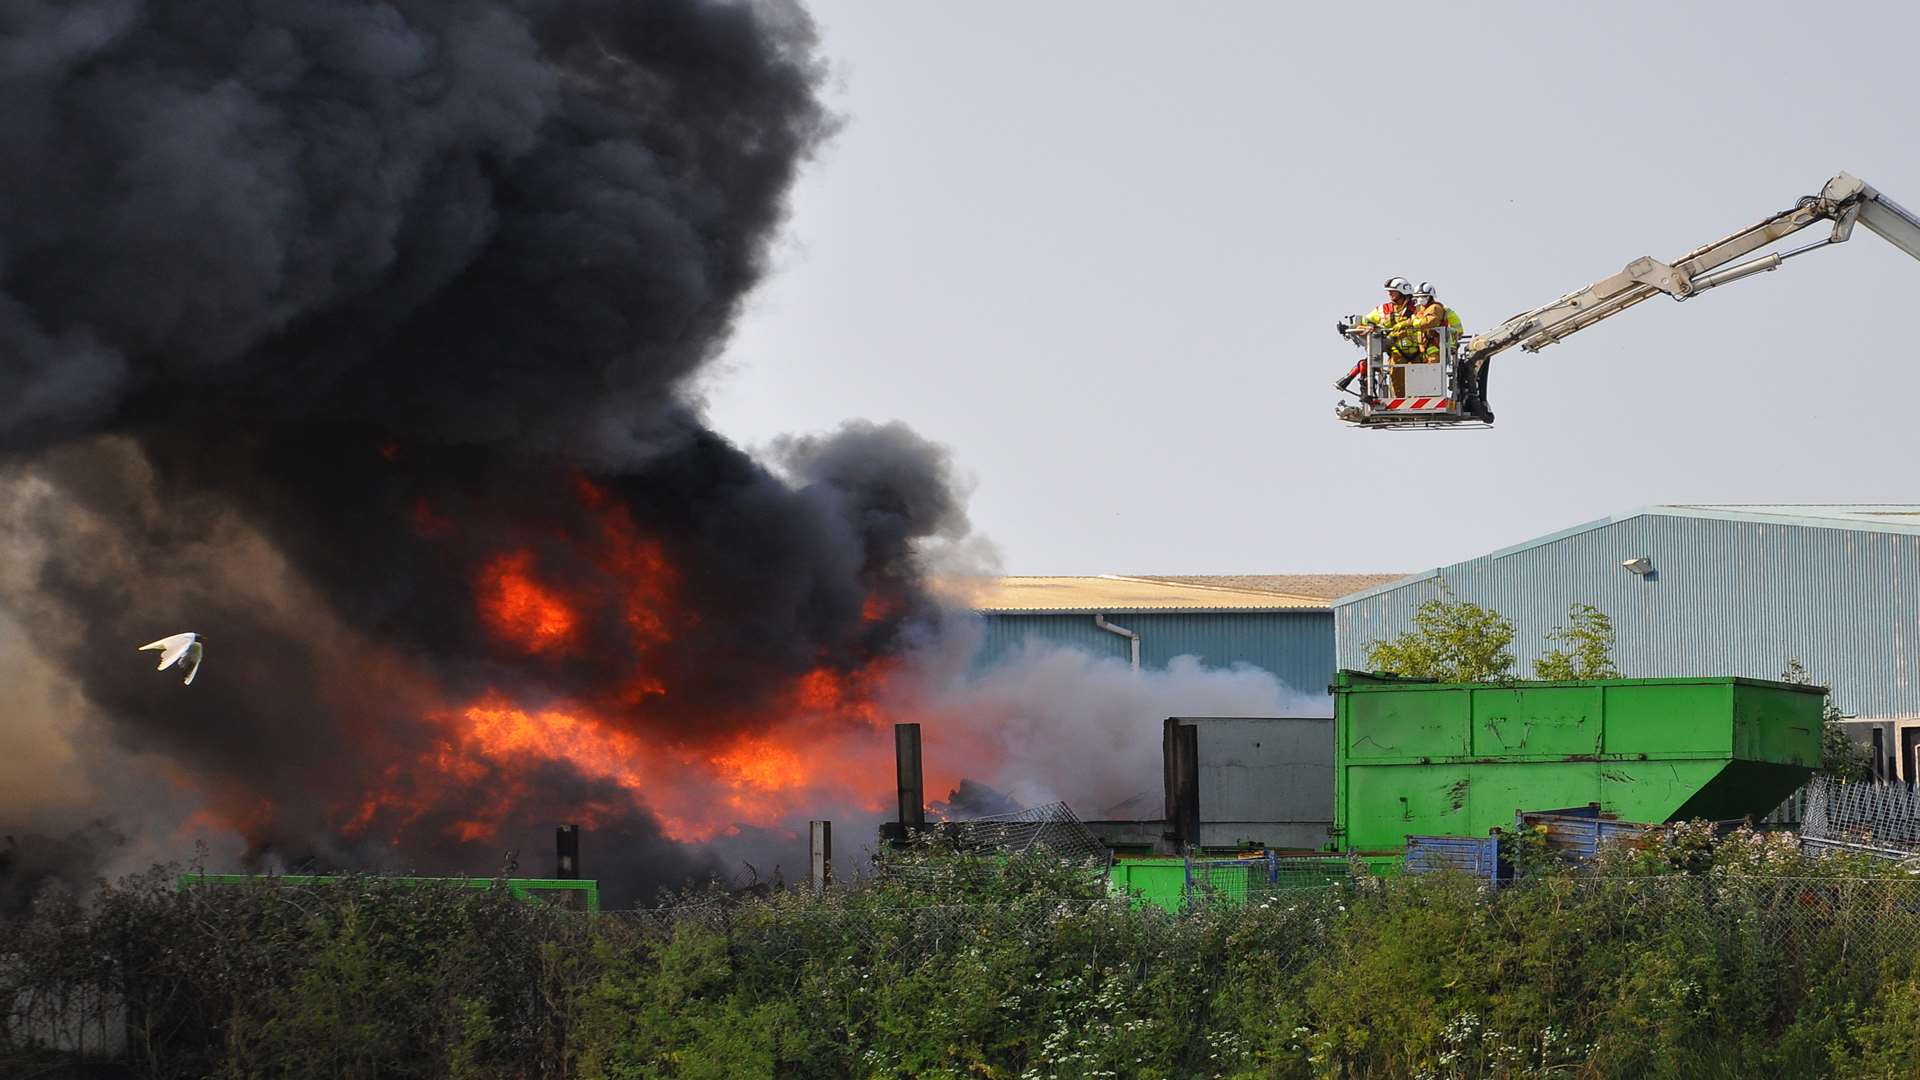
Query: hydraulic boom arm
1844	201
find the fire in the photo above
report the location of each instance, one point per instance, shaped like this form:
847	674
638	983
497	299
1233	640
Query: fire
517	607
225	807
818	689
382	800
696	794
246	816
815	741
498	731
759	764
824	690
634	576
642	566
646	580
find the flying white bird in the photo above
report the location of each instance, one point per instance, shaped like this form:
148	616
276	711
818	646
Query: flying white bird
183	649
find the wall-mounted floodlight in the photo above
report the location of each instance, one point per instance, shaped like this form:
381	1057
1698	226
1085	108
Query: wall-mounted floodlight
1641	565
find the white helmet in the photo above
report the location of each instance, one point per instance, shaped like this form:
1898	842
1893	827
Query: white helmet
1426	290
1400	285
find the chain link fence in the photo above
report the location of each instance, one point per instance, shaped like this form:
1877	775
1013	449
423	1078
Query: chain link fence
957	858
112	980
102	1004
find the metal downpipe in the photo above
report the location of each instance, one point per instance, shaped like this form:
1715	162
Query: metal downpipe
1133	639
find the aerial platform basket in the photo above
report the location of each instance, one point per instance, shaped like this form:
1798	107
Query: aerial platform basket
1389	405
1398	396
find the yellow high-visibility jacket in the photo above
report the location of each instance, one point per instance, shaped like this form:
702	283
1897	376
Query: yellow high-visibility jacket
1427	321
1396	320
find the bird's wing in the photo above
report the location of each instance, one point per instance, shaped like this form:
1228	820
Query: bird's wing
172	648
194	652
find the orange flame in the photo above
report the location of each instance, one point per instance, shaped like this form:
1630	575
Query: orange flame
695	794
815	744
759	765
640	566
819	743
519	608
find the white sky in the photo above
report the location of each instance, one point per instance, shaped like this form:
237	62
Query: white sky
1098	249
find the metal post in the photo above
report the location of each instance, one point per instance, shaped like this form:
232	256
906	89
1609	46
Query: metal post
1379	375
906	759
820	854
1190	784
566	842
1181	750
1169	780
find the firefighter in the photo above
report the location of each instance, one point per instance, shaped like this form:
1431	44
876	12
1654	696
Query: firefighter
1397	309
1429	318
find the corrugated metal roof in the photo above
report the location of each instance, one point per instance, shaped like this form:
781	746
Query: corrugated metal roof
1877	517
1903	518
1324	586
1113	594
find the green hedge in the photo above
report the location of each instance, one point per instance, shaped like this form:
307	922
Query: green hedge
1696	957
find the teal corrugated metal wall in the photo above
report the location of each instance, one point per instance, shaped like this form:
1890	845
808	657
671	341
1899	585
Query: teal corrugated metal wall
1728	598
1296	646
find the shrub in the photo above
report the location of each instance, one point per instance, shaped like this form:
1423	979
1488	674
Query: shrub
1452	640
1686	955
1583	649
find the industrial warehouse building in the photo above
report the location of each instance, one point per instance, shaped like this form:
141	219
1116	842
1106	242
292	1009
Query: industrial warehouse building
1282	623
1709	590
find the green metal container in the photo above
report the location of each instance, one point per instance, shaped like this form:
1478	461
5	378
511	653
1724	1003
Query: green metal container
1162	882
1173	883
1457	759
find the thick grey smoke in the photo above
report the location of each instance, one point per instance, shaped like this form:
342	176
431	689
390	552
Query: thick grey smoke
490	223
1050	723
315	310
356	336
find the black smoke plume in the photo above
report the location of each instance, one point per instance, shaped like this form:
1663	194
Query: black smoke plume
312	311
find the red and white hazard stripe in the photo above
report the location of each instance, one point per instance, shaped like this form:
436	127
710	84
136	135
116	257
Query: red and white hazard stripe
1418	403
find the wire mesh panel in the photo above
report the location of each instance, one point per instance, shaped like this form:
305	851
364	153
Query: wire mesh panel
953	857
1241	879
1052	827
1789	813
1296	872
1869	814
1230	880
